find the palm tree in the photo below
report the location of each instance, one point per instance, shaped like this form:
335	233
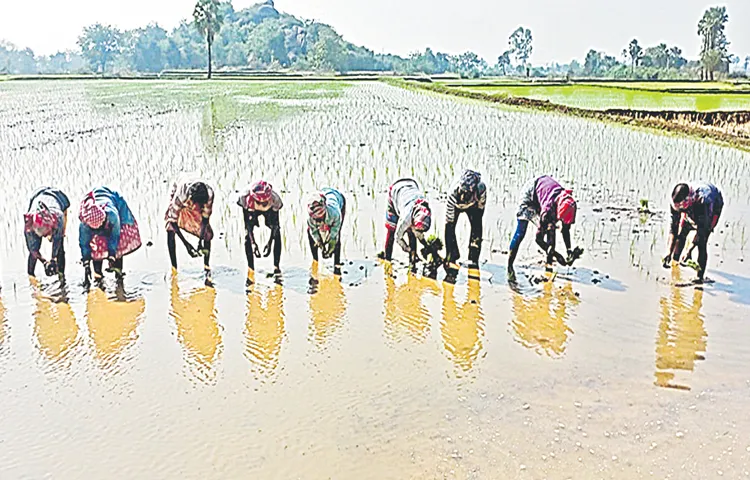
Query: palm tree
711	28
208	20
674	56
635	53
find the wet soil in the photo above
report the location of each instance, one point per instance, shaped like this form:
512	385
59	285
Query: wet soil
611	368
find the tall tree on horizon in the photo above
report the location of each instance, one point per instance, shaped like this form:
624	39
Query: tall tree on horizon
99	44
504	61
714	42
675	57
520	45
208	18
657	56
634	52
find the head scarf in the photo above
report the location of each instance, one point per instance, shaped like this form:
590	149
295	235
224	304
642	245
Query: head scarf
422	216
316	206
566	207
467	185
91	213
260	191
469	181
42	222
687	202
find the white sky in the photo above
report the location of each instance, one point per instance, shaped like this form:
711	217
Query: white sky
562	29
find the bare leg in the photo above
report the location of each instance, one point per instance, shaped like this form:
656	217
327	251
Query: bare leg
31	265
61	260
313	247
172	247
337	259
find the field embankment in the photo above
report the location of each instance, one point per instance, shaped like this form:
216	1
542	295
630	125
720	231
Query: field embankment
731	127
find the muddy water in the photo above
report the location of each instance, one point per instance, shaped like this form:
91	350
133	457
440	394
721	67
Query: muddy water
606	370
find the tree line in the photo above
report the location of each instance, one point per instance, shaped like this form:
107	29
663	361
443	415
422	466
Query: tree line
262	38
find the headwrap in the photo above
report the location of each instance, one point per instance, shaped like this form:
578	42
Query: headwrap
316	206
91	213
466	190
566	207
687	202
422	216
42	222
260	191
469	181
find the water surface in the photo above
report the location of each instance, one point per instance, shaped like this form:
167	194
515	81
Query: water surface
606	370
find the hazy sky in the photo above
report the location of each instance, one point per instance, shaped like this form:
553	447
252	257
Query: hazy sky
562	29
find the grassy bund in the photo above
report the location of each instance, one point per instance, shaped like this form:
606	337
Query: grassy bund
720	112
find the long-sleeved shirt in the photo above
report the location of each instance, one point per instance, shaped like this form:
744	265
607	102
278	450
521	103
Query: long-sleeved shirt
403	199
326	232
179	197
117	214
479	200
699	207
546	192
246	201
56	202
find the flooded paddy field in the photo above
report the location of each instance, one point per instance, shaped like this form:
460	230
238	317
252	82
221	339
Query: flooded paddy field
716	111
608	369
623	96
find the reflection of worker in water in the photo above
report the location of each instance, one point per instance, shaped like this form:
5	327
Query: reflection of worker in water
327	304
55	325
463	326
197	330
540	321
112	324
404	311
264	328
682	337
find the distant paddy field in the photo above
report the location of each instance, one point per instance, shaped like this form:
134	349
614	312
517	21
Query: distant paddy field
676	96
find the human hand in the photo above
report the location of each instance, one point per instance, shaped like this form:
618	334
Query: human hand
267	248
667	261
561	260
413	258
256	250
50	268
110	264
574	255
687	258
192	251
